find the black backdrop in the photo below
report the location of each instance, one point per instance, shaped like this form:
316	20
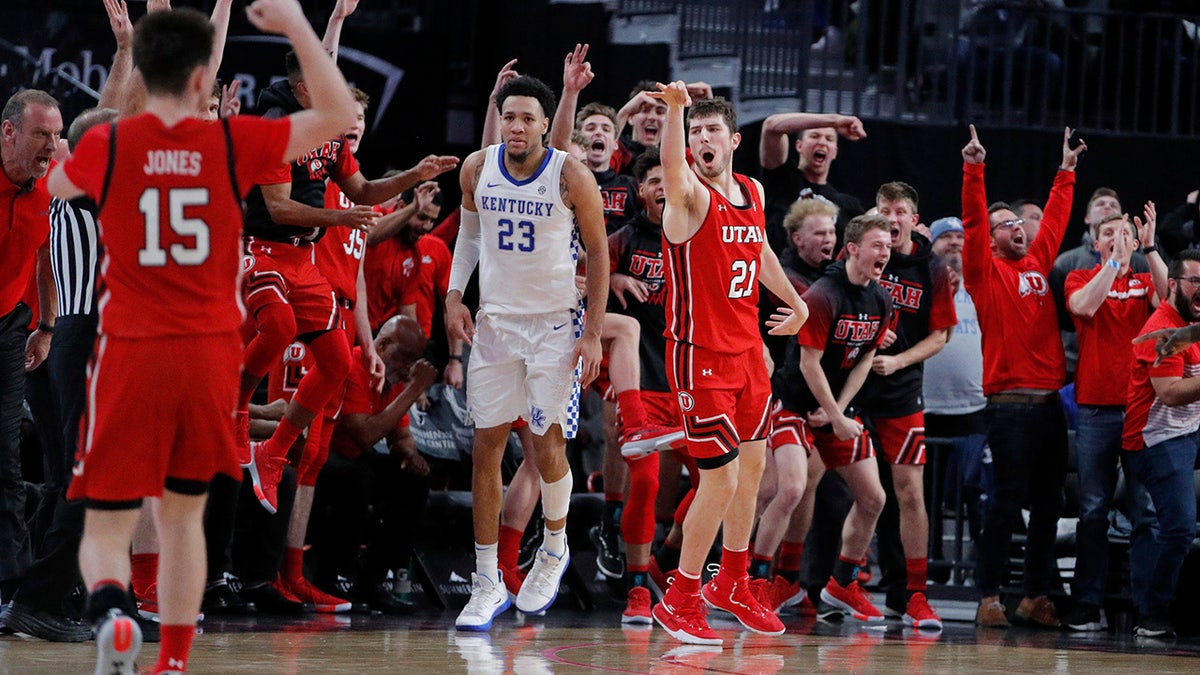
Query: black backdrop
443	73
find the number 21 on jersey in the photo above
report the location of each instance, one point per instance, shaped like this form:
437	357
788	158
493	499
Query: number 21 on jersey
745	275
178	199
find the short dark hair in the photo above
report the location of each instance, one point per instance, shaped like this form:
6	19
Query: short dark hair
999	206
715	106
896	191
14	109
1175	269
646	161
532	87
1102	192
168	46
595	108
643	85
86	120
860	225
291	66
1022	201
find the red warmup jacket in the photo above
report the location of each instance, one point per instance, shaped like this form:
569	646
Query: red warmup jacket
1021	344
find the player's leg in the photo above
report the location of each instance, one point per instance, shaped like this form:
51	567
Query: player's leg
144	561
862	477
638	434
541	585
104	566
520	499
179	519
316	451
606	535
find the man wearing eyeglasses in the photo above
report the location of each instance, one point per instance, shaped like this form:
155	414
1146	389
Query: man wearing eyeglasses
1024	366
1159	448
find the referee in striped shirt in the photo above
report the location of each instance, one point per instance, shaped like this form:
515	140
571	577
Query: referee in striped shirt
39	607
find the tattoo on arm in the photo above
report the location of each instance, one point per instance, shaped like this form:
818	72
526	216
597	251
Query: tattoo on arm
564	189
475	178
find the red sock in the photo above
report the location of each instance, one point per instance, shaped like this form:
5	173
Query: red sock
293	564
145	572
634	569
790	554
735	563
918	573
173	652
281	441
632	412
685	584
509	548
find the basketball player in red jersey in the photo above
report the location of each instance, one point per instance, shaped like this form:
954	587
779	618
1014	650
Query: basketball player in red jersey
713	230
170	310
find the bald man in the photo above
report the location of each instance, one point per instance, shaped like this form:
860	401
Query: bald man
357	478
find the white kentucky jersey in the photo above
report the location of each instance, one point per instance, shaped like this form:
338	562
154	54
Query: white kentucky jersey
527	250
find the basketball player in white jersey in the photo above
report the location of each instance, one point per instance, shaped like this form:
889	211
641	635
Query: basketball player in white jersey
521	203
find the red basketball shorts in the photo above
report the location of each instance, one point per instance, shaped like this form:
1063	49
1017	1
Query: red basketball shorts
725	400
788	428
902	439
279	272
159	414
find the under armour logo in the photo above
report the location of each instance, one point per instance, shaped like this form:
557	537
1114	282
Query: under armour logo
706	371
267	250
176	664
720	207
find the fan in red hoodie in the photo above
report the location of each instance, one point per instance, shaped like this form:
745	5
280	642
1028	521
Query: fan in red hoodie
1023	367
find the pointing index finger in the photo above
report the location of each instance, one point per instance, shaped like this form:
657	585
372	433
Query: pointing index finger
974	134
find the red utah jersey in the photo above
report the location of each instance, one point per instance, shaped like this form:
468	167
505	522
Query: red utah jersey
433	278
172	247
340	252
712	291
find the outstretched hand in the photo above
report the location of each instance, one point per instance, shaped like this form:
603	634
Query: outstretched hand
1071	156
1171	341
577	71
275	16
435	165
118	19
507	72
973	152
675	95
851	128
1145	228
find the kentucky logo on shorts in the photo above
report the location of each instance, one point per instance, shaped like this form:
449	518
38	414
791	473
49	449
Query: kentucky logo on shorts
537	418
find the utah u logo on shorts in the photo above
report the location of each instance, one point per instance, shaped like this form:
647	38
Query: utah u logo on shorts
247	263
686	402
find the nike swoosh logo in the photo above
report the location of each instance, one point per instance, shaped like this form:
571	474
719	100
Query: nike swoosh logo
559	326
492	185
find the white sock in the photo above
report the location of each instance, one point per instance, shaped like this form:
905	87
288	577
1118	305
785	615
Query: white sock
555	542
487	561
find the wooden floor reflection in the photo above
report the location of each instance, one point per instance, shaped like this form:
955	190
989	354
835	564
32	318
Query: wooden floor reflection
577	642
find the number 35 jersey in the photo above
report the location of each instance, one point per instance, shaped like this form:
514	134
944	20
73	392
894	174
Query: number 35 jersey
170	220
527	251
712	278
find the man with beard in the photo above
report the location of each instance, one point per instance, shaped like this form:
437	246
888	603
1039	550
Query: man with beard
1023	368
1108	302
1159	447
923	317
714	243
817	147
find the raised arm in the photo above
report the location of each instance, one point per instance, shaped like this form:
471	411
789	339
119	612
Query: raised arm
333	29
120	74
491	116
363	191
388	225
687	200
333	109
1145	234
977	252
777	129
577	73
220	22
